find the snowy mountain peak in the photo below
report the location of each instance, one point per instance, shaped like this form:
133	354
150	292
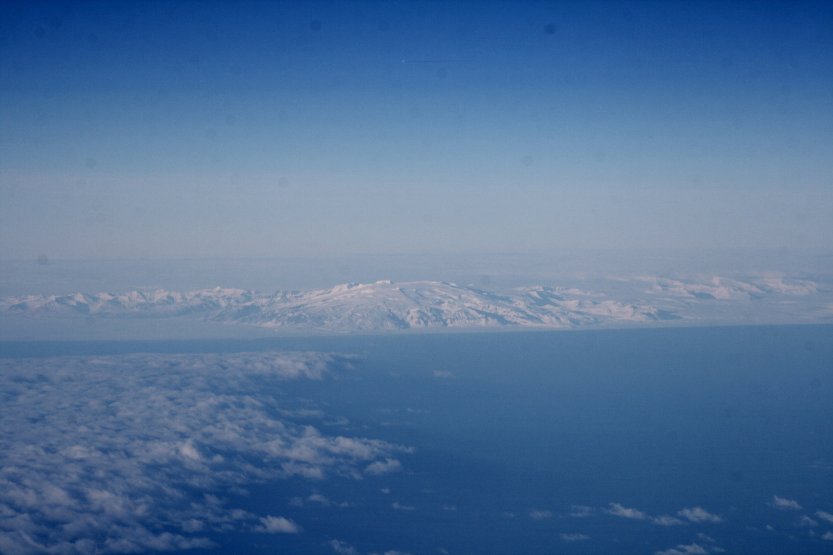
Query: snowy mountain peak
387	305
377	306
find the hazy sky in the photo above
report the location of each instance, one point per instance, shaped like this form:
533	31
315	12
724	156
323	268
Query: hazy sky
198	129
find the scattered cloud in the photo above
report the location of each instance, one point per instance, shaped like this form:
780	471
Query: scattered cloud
540	515
699	514
400	507
690	549
824	515
342	548
277	525
443	374
124	441
383	467
317	499
573	537
784	504
828	536
616	509
666	520
581	511
807	522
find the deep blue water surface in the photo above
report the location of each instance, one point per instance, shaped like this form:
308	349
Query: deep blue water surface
516	434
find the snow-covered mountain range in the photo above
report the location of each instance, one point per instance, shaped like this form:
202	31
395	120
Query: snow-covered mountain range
382	305
386	305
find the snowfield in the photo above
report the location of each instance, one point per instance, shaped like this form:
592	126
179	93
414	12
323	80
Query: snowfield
386	305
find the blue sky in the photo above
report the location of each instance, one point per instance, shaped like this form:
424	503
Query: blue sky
268	129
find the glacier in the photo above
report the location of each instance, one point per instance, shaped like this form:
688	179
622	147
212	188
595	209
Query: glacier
386	305
380	306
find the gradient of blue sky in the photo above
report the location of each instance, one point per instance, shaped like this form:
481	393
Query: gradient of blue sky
223	129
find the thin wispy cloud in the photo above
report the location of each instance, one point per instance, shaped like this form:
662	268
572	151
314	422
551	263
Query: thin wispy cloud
342	548
807	522
666	520
318	500
581	511
573	537
824	515
383	467
784	504
277	525
693	515
689	549
699	514
619	510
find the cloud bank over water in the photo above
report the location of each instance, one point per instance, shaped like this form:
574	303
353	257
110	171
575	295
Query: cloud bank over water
135	453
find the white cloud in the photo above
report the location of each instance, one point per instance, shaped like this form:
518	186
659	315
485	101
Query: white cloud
400	507
320	499
443	374
699	514
124	441
828	536
277	525
188	451
690	549
383	467
824	515
573	537
666	520
616	509
317	499
342	548
581	511
540	515
784	504
808	522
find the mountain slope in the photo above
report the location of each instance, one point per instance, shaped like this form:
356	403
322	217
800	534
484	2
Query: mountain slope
383	305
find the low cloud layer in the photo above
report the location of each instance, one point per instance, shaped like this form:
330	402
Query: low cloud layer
129	453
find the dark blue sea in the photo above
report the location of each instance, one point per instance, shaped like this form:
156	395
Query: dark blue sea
698	440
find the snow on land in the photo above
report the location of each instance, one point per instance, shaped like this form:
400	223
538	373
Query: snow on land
383	305
386	305
721	288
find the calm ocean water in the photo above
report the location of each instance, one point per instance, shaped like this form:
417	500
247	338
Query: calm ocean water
565	442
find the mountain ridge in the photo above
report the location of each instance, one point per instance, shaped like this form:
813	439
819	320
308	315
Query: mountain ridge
385	305
381	305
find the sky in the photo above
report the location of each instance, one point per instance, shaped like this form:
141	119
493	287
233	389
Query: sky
215	129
